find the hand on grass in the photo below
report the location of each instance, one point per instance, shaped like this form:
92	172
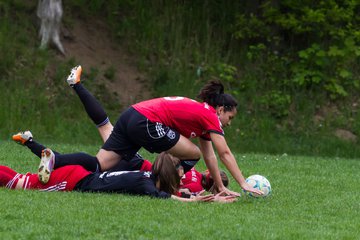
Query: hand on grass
223	198
203	198
228	192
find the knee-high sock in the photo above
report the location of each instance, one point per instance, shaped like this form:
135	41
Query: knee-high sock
92	106
36	147
8	177
188	164
87	161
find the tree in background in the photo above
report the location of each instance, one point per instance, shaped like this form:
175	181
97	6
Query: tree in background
50	13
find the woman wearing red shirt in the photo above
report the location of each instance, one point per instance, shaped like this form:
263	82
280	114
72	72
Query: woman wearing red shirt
162	182
167	124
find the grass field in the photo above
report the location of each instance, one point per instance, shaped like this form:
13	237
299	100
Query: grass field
312	198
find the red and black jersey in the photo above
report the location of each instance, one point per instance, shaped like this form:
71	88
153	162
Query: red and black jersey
189	117
62	179
192	181
75	177
131	182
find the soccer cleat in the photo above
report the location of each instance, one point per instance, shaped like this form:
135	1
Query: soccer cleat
46	165
22	137
74	76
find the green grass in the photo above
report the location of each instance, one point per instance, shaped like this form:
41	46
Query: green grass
312	198
170	46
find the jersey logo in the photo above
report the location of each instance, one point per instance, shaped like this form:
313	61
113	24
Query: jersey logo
171	134
155	130
159	129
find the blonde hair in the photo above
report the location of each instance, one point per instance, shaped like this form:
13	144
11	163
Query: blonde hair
165	171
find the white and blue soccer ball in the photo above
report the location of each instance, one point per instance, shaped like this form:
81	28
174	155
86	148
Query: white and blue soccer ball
261	183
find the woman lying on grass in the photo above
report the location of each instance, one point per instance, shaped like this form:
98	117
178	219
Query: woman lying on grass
162	182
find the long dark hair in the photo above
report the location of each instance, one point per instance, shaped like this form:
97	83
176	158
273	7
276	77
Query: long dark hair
213	94
165	170
208	181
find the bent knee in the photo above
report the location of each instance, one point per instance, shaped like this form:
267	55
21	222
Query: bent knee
196	153
107	159
186	153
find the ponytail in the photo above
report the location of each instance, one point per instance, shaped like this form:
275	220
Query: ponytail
213	94
165	171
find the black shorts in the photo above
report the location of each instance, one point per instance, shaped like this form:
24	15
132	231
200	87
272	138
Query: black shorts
133	131
134	164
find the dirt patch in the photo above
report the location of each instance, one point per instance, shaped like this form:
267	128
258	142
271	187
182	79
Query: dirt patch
90	44
345	135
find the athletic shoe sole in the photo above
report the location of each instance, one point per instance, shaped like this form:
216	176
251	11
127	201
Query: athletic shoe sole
46	165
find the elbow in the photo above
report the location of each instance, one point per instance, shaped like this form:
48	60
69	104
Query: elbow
224	156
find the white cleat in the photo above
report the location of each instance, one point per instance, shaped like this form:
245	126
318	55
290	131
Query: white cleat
74	76
46	165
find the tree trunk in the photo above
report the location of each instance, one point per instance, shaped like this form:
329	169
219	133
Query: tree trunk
50	13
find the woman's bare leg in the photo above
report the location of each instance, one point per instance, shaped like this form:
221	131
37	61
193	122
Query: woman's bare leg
185	149
105	131
107	159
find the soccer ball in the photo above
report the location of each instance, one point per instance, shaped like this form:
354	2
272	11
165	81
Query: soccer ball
259	182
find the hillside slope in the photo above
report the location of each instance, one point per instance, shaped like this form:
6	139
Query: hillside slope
90	44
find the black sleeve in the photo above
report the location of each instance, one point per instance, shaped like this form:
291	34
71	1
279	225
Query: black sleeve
185	195
152	191
162	194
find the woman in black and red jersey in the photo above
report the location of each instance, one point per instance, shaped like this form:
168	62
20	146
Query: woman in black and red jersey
75	177
195	182
162	182
167	124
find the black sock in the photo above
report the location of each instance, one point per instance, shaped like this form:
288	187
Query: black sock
87	161
36	147
92	106
188	164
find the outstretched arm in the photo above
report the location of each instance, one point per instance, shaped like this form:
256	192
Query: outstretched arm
220	197
212	164
198	198
230	163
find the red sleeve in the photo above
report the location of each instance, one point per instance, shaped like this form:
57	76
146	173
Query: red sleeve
193	187
210	122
